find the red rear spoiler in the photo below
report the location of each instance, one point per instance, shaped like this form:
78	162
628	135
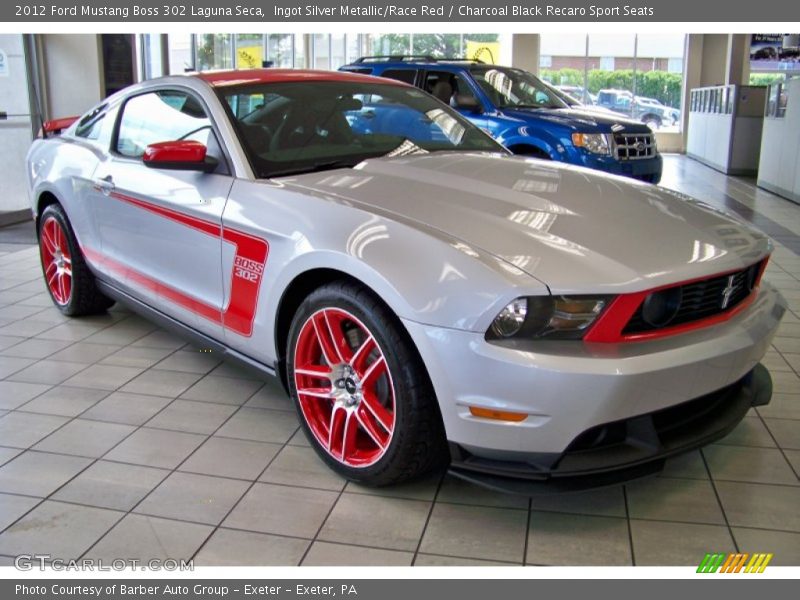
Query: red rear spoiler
56	126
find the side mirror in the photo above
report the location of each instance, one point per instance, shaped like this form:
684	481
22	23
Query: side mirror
182	155
468	103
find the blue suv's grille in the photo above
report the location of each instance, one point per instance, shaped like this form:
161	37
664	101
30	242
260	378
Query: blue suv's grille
634	146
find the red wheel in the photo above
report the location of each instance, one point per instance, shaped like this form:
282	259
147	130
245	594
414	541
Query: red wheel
70	282
344	387
56	261
361	391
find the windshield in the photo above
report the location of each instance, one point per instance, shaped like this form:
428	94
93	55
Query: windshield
514	88
297	127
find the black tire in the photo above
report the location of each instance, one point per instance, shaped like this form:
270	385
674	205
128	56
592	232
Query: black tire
84	298
418	443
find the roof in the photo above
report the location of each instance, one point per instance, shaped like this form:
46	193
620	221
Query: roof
250	76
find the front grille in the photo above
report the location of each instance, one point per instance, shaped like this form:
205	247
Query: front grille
634	146
702	299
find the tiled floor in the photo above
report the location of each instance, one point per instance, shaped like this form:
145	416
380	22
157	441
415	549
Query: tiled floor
118	440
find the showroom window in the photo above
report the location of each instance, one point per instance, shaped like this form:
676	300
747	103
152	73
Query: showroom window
484	46
640	76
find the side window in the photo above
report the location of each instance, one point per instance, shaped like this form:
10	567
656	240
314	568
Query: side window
404	75
91	124
447	87
160	117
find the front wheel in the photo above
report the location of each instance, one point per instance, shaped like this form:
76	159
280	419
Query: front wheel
362	394
70	283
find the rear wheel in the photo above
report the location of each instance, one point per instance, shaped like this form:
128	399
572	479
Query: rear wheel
69	281
362	394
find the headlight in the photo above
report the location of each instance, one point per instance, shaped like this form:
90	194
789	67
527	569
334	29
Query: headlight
596	143
553	317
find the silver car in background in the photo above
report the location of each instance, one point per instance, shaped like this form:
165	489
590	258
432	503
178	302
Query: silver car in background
423	295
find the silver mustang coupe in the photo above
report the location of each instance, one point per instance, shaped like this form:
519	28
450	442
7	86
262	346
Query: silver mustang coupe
423	295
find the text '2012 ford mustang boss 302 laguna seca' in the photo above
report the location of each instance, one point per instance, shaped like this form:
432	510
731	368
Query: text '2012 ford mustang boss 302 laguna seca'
424	295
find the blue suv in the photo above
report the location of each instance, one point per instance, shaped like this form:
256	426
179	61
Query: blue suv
526	115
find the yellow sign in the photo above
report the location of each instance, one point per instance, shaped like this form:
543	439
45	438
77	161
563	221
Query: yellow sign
488	52
249	57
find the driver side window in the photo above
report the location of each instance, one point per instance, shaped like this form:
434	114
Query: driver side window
162	116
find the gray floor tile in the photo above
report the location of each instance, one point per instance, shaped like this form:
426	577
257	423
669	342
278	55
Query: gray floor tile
111	485
568	539
48	371
786	432
605	502
61	530
421	488
6	454
33	348
120	333
12	364
244	548
103	377
233	369
222	389
151	538
160	339
784	546
25	328
14	394
794	459
379	522
260	425
136	356
299	439
156	448
458	491
664	499
750	432
433	560
660	543
195	417
753	465
131	409
85	438
22	430
282	510
272	395
302	467
197	498
324	554
476	532
65	401
782	406
227	457
68	331
160	383
85	352
13	507
7	341
38	473
190	361
760	506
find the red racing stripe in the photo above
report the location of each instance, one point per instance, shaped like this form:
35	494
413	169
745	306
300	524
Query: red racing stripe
248	269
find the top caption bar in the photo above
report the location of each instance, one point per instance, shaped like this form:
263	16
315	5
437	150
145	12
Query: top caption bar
400	11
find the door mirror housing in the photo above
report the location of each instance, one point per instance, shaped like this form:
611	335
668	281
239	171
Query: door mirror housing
181	155
468	102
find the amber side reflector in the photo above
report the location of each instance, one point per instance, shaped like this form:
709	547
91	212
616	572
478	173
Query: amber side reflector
497	415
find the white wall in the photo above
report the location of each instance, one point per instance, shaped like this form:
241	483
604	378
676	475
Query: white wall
15	131
73	73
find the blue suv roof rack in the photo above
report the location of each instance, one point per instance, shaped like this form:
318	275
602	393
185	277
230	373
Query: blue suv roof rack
413	58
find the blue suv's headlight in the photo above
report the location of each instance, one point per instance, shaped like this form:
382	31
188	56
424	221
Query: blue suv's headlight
596	143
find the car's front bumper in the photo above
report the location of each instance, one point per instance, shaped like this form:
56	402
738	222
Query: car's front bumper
622	450
645	169
570	388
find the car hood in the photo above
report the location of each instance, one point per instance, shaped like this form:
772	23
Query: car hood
573	229
581	119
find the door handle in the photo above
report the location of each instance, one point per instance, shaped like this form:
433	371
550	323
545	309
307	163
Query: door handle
104	184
